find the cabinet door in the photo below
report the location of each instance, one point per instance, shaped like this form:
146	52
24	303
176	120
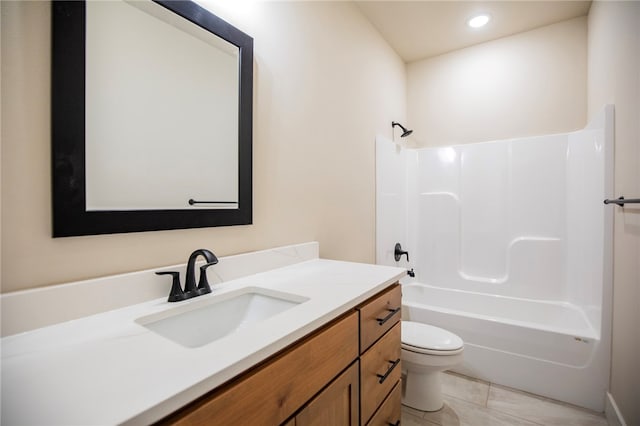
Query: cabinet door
337	404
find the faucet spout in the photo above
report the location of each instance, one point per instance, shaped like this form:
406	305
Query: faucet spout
190	280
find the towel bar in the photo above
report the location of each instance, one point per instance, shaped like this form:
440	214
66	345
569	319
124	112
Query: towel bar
622	201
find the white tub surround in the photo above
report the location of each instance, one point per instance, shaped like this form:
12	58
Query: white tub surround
109	369
511	245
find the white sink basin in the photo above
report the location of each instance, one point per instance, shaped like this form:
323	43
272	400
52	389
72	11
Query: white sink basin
203	321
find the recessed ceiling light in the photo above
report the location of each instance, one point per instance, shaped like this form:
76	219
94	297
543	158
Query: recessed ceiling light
478	21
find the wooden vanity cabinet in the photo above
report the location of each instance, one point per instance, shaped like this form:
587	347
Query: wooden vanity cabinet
330	377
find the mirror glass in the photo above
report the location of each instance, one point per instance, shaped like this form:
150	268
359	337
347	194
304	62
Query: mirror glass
145	147
151	118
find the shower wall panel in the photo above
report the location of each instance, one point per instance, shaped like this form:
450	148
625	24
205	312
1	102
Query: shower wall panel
491	216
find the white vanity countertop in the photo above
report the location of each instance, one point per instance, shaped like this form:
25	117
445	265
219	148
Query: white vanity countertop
107	369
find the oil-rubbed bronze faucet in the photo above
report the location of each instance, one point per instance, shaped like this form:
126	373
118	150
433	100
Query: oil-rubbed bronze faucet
190	290
190	281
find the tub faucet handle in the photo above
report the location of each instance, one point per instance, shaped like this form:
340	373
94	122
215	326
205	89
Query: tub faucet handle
398	252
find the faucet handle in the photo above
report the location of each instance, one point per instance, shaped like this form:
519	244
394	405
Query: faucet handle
398	252
176	294
203	284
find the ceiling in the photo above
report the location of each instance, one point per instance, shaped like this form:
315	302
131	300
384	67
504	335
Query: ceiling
421	29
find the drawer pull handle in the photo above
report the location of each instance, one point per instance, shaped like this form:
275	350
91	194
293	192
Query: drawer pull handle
384	377
394	424
391	313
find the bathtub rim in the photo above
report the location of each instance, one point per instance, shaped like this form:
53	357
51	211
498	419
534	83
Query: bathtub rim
589	334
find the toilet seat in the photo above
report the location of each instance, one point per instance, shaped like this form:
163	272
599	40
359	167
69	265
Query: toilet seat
429	340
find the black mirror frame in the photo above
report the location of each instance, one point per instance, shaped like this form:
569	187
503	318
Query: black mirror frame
70	217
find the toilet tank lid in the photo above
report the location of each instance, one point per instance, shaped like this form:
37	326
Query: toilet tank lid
429	337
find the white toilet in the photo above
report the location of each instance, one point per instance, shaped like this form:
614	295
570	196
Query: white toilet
426	351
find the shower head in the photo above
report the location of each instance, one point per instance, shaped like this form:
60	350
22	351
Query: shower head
405	131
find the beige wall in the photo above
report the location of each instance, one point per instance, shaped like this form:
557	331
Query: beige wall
325	84
527	84
614	77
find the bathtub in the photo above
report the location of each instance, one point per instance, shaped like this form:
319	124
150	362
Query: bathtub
547	348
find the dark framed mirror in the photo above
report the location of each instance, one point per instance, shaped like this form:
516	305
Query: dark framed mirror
143	142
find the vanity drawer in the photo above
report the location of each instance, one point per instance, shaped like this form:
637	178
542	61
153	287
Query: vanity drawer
379	371
391	410
379	315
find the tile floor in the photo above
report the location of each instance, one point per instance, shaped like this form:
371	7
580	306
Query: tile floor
472	402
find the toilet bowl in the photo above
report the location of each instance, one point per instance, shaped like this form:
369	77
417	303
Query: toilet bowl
426	351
